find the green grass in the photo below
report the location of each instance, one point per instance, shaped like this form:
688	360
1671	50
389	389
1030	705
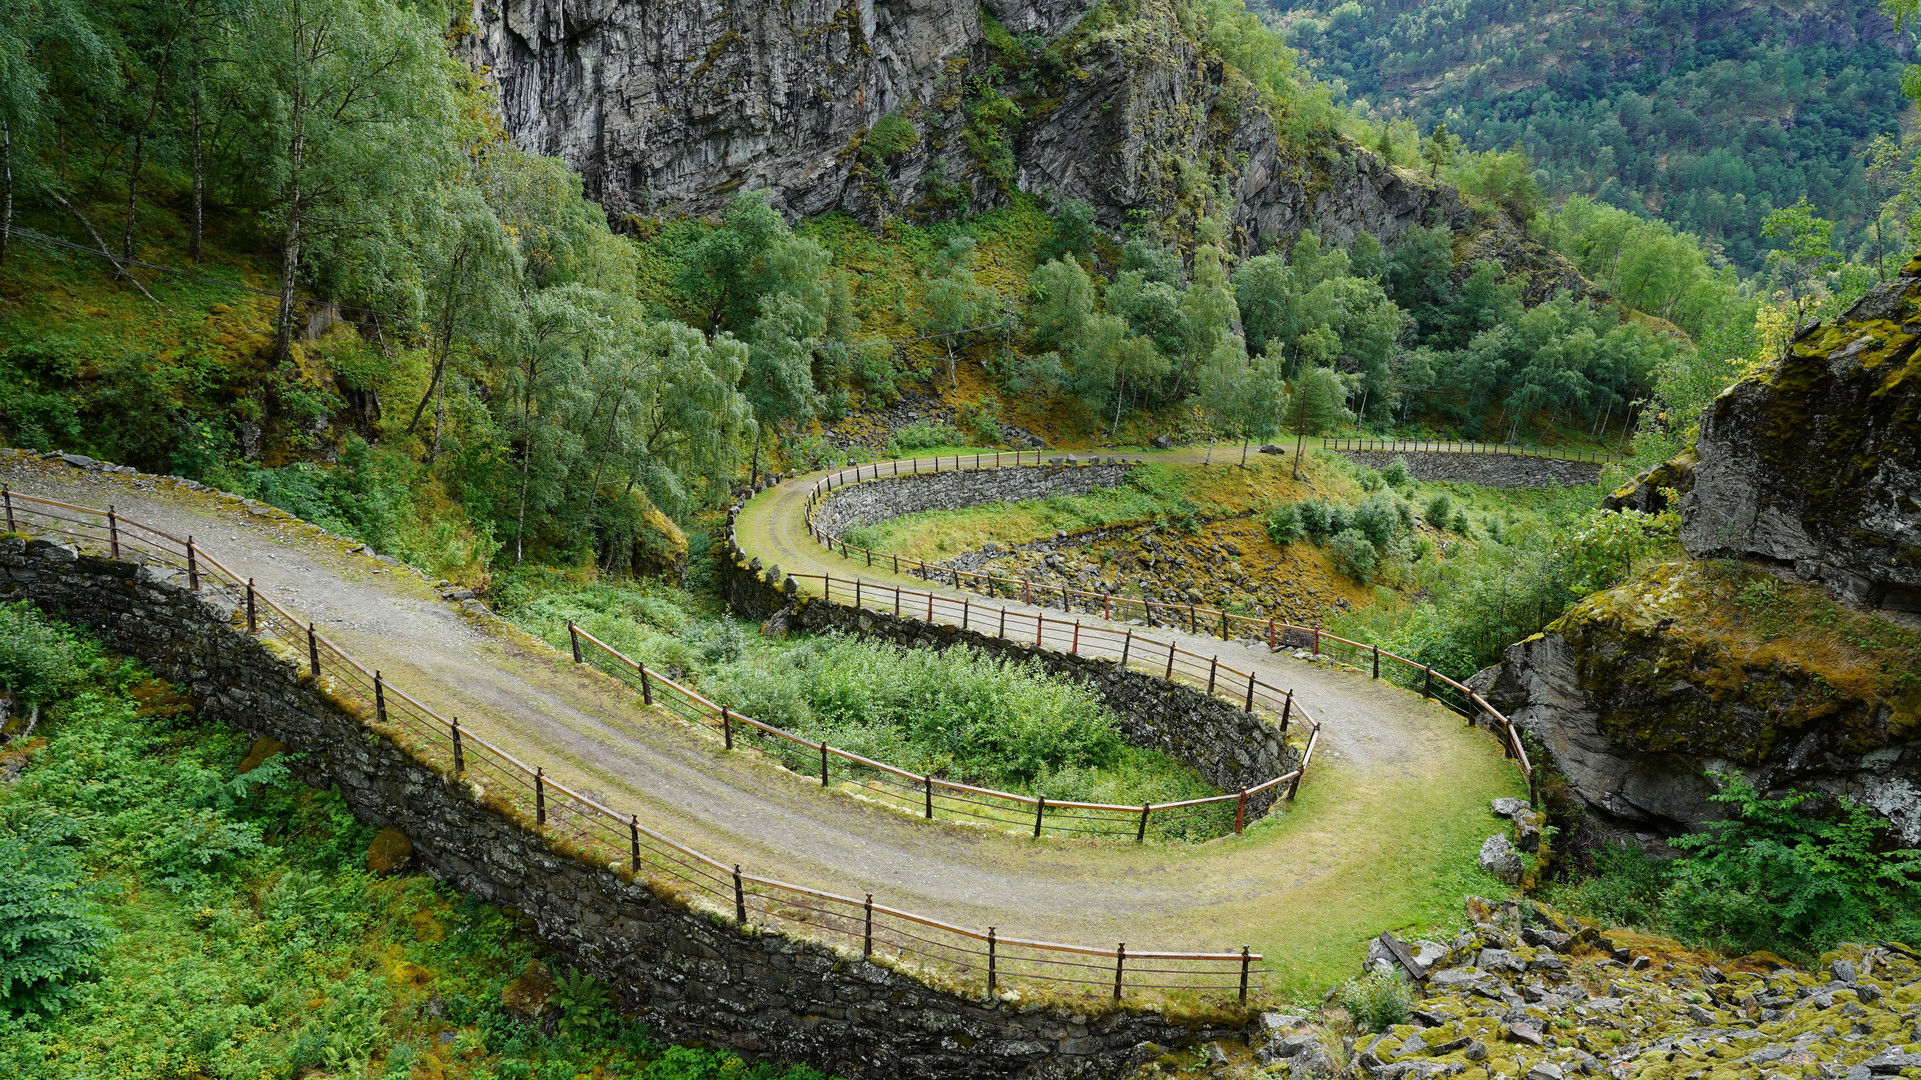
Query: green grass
246	938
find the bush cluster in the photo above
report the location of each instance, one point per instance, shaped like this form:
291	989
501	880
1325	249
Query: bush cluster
1360	538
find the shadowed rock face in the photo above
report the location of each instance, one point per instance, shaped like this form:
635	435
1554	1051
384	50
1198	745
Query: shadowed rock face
1817	462
672	106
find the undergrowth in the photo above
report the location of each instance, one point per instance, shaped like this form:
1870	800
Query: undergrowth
163	914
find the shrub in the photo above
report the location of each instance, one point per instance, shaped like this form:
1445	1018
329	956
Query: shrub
1439	510
51	926
1461	524
1788	876
1354	554
1383	518
1314	521
1284	524
925	435
39	660
1396	473
1378	1000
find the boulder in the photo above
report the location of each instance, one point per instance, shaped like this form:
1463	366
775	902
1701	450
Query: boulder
1499	858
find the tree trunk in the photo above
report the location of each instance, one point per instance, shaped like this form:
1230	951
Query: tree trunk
6	191
290	254
197	226
1300	440
1244	444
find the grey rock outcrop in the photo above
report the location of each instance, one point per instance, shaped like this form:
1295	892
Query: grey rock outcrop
671	107
1816	462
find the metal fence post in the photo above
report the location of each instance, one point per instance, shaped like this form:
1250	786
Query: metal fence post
460	760
1075	648
990	962
1120	962
540	796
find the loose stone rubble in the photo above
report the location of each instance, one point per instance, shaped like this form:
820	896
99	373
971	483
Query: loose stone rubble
1530	994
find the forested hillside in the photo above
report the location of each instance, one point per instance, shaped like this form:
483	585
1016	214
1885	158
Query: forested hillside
1709	114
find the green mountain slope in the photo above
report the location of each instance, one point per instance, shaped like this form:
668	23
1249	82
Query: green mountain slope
1707	113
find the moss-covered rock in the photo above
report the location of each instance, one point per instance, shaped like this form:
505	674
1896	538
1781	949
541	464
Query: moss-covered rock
1641	691
1815	462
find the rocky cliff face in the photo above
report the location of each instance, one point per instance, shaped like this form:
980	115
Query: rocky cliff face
1641	692
1816	462
670	107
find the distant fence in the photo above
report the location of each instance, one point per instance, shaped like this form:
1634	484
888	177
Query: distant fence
1418	446
1194	619
609	837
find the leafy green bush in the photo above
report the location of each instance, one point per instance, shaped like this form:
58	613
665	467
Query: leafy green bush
925	435
1284	524
1439	511
51	924
1790	876
1377	1001
1314	523
1354	554
1396	473
40	660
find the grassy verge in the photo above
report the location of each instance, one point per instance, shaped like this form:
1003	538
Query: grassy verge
194	911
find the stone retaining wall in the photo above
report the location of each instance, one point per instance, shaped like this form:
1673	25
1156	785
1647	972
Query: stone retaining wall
870	501
1487	470
694	974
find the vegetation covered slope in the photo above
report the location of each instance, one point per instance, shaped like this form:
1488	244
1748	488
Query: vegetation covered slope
1708	115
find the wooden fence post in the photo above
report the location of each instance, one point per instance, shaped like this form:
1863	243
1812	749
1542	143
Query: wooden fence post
990	961
867	940
1245	963
927	784
573	638
540	796
1249	709
1141	833
1127	644
7	494
823	763
1270	634
633	836
1240	811
727	726
113	531
193	567
313	652
1427	682
1170	663
646	686
1223	626
1120	962
460	760
380	699
1040	807
253	623
740	899
1213	666
1377	661
1287	708
1075	648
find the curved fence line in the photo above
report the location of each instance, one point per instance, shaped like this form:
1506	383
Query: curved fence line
597	832
1419	446
937	797
1276	634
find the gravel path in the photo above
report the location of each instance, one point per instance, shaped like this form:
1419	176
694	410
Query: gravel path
1401	776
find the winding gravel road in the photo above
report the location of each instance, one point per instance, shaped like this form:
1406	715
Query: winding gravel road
1387	818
